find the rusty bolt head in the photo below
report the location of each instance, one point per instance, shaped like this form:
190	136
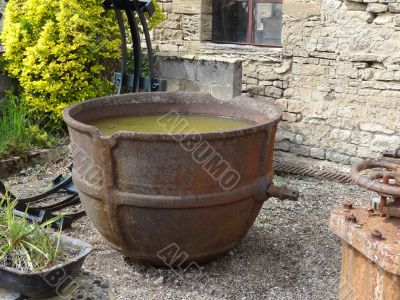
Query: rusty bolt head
348	205
377	235
351	218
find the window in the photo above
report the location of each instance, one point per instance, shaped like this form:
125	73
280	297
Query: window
256	22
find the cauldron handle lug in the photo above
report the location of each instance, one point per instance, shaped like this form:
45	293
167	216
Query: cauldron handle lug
282	193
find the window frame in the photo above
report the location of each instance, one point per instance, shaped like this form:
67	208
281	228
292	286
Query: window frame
250	24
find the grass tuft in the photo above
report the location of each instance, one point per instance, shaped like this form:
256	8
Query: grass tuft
26	246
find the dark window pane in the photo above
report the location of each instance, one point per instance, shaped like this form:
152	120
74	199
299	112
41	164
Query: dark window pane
268	23
230	20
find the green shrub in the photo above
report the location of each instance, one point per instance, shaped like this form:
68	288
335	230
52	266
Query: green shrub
59	51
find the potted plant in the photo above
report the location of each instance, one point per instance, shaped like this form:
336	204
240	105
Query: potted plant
35	261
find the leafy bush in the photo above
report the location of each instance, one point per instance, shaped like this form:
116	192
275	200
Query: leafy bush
60	52
27	246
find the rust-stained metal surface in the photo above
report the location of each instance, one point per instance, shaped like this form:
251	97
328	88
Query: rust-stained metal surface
153	199
362	235
361	279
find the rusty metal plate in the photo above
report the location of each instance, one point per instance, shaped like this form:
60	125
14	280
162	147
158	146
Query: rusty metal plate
376	237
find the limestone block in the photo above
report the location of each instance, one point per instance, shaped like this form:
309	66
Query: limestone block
173	85
296	106
195	86
192	7
345	111
282	103
223	92
301	150
383	19
326	44
300	10
375	127
290	117
357	6
386	75
377	7
285	135
166	7
381	142
318	153
338	157
255	89
394	7
274	92
282	145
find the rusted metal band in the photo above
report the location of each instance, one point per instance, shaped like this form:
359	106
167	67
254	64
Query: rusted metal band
181	201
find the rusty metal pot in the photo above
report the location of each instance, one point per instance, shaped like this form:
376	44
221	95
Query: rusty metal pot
195	194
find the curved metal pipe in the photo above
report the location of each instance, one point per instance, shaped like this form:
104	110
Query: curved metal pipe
137	53
149	45
366	182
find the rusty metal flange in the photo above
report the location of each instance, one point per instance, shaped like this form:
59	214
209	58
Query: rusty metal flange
371	182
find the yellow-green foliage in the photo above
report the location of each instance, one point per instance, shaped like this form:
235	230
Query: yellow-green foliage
58	50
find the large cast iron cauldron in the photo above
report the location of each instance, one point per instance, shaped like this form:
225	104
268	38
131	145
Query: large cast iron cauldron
148	192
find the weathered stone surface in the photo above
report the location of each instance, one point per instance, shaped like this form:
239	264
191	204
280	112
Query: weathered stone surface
2	7
222	78
383	19
15	164
377	7
337	76
394	7
192	7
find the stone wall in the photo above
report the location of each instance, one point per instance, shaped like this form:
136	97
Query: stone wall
2	7
337	76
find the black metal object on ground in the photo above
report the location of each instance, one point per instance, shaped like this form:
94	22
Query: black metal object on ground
41	214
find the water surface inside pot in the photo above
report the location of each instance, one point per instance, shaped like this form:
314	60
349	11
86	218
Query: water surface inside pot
170	123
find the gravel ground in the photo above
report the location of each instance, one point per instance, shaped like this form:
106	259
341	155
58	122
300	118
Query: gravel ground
289	253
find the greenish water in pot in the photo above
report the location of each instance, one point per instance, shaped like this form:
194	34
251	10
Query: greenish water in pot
171	123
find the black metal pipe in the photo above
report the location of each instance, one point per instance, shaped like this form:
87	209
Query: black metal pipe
137	53
149	45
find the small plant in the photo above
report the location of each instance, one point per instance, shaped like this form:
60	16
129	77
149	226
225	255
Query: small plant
25	246
17	134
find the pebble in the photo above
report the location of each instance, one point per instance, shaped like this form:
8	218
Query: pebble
159	280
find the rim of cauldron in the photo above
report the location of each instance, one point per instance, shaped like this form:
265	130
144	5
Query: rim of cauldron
272	114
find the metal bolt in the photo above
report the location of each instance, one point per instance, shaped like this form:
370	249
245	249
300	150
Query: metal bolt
351	218
377	235
348	205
